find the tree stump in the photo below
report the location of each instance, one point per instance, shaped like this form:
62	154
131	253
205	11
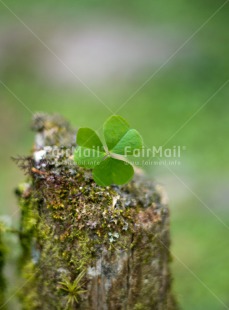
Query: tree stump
86	246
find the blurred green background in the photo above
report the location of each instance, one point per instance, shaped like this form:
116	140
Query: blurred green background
46	48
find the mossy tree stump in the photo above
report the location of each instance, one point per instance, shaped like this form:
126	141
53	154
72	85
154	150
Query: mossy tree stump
85	246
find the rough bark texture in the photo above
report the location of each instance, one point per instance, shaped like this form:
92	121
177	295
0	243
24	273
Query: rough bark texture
85	246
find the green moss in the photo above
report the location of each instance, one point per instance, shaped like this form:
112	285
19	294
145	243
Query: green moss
29	218
139	306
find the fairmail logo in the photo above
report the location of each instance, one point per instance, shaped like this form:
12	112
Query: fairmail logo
156	152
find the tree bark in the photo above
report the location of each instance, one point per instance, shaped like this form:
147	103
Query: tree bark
85	246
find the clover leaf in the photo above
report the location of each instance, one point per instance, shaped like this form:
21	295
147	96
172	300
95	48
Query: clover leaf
90	151
120	139
113	171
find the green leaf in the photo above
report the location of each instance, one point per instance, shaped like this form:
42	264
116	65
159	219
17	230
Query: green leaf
88	138
114	129
90	151
112	171
119	137
128	143
88	158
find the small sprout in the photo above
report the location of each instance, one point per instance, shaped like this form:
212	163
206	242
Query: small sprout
73	289
120	140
